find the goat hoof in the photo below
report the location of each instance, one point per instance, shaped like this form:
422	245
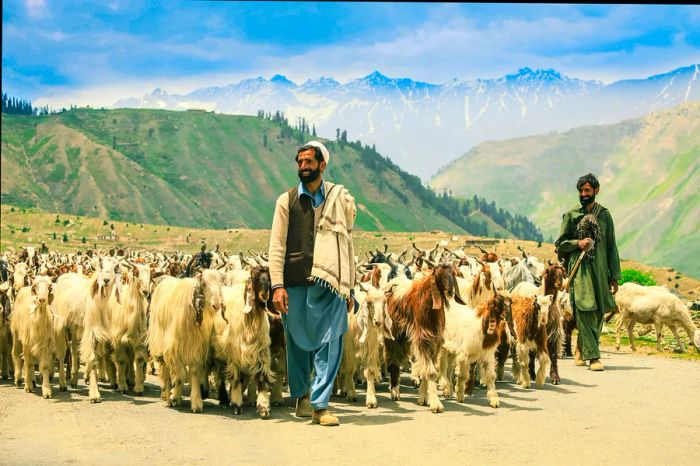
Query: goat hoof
63	388
438	408
95	400
371	404
494	403
237	409
264	412
47	396
138	393
352	398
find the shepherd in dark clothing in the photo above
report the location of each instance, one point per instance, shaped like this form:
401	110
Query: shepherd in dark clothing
589	230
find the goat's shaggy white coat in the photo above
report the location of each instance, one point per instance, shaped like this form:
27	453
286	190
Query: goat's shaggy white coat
128	329
176	340
363	344
653	305
464	345
83	306
245	346
33	333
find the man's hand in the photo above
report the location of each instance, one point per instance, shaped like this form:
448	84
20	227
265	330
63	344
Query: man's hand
280	300
585	244
613	286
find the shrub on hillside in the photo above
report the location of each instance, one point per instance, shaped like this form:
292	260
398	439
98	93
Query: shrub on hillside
637	276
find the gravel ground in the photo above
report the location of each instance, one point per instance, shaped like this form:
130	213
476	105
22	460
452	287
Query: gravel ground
640	410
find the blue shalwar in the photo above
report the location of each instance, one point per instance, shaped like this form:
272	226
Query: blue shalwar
314	329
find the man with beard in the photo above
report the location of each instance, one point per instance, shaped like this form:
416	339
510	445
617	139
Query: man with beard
590	230
312	269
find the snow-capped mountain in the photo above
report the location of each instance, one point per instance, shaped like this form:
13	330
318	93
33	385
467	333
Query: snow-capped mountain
423	126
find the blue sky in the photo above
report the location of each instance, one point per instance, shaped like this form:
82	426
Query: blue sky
83	52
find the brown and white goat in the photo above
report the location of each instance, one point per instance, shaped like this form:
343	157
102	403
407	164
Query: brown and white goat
471	337
417	311
489	276
552	284
530	322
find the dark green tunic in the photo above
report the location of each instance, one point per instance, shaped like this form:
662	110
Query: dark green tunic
590	290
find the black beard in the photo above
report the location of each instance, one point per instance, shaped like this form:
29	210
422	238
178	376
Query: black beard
586	200
311	177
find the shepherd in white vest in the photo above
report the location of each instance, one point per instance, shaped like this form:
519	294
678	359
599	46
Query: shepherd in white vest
312	268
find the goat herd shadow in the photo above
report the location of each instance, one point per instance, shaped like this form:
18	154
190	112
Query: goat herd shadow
512	398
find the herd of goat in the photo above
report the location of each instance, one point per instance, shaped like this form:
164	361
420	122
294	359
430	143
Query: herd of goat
207	319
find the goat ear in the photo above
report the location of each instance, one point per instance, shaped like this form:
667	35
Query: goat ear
387	326
435	294
95	289
50	295
362	323
458	295
198	302
492	320
249	296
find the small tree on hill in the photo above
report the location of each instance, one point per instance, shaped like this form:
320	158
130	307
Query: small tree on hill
65	237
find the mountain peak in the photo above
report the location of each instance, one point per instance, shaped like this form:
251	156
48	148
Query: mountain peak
377	78
527	74
279	79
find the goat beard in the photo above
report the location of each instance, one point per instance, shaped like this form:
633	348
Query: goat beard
311	177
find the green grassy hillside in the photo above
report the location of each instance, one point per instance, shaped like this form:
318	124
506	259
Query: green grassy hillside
202	169
184	168
648	169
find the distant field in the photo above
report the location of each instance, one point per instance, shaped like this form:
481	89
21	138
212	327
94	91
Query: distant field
26	227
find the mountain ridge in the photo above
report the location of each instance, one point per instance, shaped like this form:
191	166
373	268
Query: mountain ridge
398	114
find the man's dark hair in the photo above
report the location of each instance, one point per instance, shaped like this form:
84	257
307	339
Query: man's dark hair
318	155
590	179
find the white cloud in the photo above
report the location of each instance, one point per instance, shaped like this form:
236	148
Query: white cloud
36	8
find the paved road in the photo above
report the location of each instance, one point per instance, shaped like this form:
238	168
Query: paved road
641	410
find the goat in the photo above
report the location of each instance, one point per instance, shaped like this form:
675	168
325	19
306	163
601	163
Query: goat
417	311
471	337
245	343
129	304
363	343
180	332
5	333
83	306
552	284
653	305
530	322
481	286
33	334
